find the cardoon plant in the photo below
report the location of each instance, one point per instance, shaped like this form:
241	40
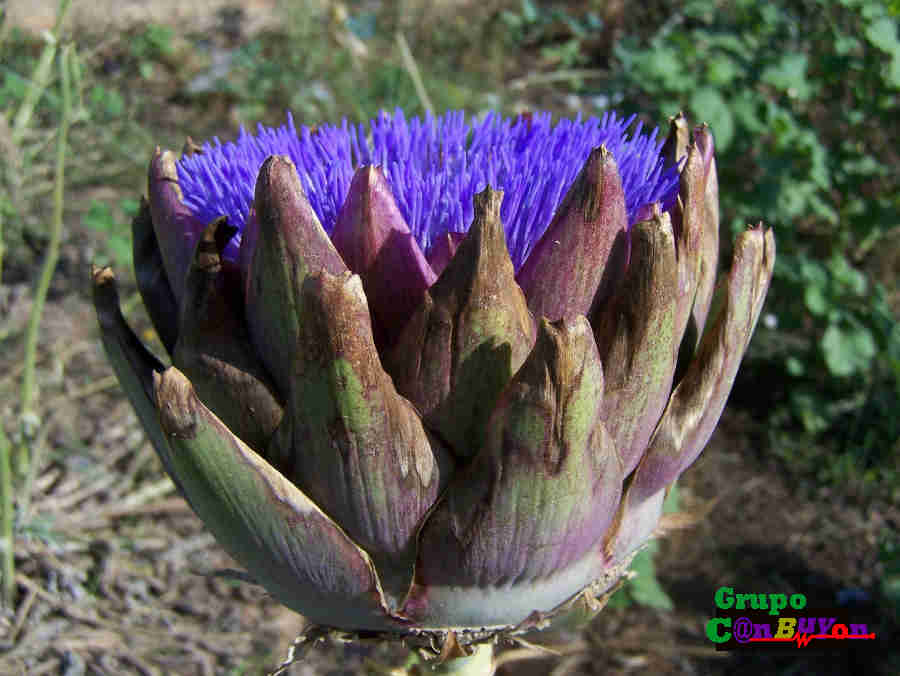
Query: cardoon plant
433	377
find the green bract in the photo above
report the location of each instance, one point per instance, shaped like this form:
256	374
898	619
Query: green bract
442	448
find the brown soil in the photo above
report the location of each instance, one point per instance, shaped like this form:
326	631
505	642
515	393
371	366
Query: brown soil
99	16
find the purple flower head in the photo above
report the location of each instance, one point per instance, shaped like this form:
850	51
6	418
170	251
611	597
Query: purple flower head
413	405
434	167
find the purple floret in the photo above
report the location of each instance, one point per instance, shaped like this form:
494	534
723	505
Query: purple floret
434	167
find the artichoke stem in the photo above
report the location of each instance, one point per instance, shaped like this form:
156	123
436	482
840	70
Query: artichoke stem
479	663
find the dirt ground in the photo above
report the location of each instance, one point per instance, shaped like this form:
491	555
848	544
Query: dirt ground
100	15
117	576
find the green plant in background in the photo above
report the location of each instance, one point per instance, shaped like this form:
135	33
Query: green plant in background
30	98
889	557
531	23
115	227
106	103
806	132
106	134
344	70
152	45
17	460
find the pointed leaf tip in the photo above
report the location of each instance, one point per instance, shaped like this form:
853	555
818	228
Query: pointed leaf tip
697	244
705	143
675	148
487	204
106	294
376	243
709	243
578	258
468	337
175	226
282	206
190	148
173	396
287	244
487	234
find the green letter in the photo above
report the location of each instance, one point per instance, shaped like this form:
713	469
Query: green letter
712	629
778	602
724	598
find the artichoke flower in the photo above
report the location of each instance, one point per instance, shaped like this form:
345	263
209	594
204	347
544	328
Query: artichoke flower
433	377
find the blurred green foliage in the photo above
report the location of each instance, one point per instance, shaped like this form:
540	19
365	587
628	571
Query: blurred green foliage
114	224
889	557
150	46
349	68
530	24
108	143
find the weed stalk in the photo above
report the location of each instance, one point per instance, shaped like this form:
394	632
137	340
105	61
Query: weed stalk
40	80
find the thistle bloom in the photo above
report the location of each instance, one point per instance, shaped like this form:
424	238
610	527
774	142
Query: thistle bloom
433	377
